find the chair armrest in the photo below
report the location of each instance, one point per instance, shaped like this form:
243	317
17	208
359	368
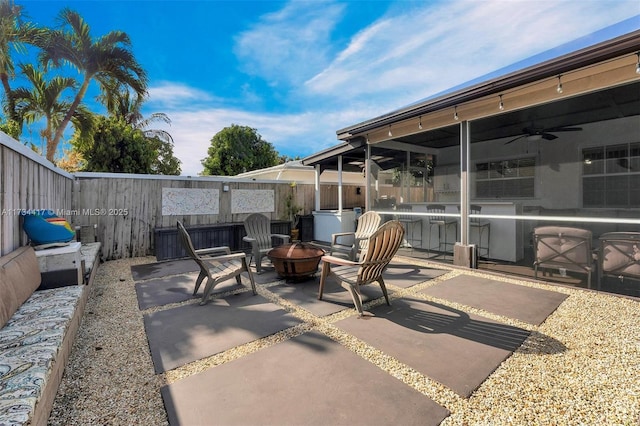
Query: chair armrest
208	251
226	257
284	238
248	239
338	261
334	237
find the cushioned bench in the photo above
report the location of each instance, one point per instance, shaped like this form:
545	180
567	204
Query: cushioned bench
37	329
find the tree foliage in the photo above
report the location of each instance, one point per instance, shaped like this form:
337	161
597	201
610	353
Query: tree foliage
105	59
117	147
238	149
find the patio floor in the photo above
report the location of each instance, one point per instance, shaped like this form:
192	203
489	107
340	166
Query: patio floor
284	357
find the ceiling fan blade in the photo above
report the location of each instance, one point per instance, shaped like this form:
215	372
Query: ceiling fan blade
564	129
515	139
549	136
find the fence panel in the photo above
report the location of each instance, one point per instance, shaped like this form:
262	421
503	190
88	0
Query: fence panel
27	181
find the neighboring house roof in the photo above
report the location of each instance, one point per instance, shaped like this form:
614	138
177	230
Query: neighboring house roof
296	171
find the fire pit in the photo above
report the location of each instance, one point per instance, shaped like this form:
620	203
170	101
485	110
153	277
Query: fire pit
296	260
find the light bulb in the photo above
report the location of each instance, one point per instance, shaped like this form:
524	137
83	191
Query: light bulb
559	88
501	104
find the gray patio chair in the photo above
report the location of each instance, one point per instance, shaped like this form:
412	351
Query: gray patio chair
619	255
562	247
217	264
352	243
383	245
258	229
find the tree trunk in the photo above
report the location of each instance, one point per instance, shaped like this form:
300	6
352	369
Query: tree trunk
52	145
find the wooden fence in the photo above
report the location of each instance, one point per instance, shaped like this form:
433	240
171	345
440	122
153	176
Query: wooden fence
102	199
27	181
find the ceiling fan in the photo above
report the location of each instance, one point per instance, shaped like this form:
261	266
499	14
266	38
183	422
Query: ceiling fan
536	133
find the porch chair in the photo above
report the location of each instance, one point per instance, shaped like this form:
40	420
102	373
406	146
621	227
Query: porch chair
258	229
409	222
619	255
561	247
382	246
437	219
215	267
352	243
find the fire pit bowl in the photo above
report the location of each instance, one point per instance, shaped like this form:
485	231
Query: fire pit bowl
295	260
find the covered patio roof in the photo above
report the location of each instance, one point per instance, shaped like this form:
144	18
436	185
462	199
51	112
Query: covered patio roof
599	82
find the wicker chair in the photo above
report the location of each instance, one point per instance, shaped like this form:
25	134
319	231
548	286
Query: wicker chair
216	268
352	243
382	246
258	229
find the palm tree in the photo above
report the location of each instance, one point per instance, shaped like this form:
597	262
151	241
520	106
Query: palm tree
121	103
43	102
106	59
14	35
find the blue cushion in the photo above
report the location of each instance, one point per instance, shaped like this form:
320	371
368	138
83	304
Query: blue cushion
41	232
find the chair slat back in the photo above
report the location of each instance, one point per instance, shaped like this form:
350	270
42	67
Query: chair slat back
383	245
185	239
368	223
404	208
434	209
258	226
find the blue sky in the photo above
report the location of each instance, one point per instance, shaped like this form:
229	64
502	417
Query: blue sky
297	71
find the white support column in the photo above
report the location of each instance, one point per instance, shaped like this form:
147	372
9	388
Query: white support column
367	189
317	182
464	182
339	184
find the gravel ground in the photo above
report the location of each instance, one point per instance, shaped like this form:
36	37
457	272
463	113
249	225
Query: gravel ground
580	367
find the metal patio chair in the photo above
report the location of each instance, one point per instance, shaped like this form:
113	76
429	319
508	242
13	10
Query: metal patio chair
619	255
383	245
562	247
215	267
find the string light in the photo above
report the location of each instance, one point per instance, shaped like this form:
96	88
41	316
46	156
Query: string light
501	104
420	123
455	113
390	134
559	88
638	65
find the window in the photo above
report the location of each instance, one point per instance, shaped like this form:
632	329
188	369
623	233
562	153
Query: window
506	178
611	176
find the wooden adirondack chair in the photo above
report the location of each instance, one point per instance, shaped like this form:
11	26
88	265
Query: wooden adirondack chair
258	229
215	268
352	243
382	246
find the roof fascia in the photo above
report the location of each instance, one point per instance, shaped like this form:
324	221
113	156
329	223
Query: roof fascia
619	46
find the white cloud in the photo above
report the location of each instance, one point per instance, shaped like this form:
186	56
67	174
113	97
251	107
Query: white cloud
426	50
289	45
171	95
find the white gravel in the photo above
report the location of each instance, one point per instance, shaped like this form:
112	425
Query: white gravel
580	367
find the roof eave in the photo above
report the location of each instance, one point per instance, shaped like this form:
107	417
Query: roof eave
619	46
